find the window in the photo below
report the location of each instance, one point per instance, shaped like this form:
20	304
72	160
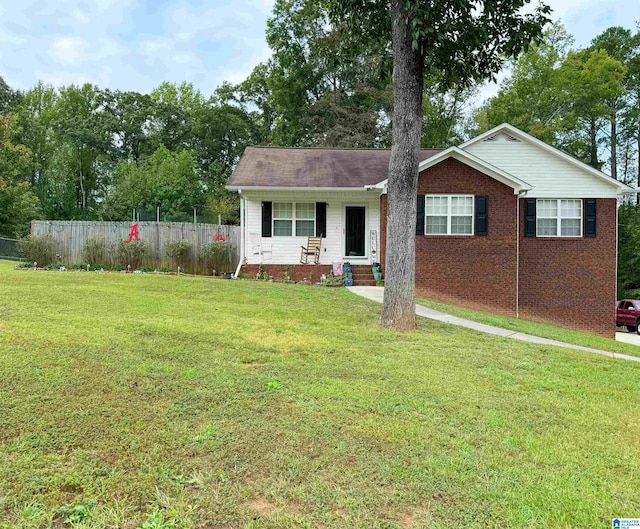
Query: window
449	214
306	219
282	219
559	218
287	214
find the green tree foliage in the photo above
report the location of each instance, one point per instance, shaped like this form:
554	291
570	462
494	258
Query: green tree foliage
532	98
628	250
592	81
315	90
166	180
7	96
18	204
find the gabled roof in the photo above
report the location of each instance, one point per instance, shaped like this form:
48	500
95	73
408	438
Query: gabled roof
310	168
472	161
523	136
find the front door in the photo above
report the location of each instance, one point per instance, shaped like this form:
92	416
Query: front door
354	231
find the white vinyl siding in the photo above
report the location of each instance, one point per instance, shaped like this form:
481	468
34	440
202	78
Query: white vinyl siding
449	214
286	250
559	218
548	174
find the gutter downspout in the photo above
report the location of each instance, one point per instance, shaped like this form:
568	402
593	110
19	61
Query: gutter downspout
520	194
242	228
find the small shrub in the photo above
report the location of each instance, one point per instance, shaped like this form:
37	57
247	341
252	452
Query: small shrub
131	253
39	250
262	274
213	256
94	252
178	252
145	269
165	269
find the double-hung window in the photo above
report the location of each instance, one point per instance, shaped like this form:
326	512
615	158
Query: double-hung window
305	219
559	218
449	214
282	219
297	218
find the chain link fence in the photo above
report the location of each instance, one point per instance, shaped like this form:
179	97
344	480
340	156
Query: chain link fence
9	249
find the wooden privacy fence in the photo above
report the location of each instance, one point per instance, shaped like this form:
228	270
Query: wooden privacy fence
70	236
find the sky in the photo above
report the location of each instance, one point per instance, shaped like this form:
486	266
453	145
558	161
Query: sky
137	44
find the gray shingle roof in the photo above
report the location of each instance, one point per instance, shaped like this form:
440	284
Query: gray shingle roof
313	167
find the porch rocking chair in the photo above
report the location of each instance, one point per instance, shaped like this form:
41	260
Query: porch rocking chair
312	249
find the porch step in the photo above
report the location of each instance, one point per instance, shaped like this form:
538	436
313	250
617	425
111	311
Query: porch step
362	276
364	283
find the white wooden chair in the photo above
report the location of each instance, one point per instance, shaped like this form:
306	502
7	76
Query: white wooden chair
259	247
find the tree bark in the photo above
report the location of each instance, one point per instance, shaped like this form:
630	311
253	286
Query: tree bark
398	311
614	147
593	147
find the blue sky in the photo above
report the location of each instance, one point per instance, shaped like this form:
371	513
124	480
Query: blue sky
137	44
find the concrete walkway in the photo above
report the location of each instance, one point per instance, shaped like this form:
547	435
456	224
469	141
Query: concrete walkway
377	293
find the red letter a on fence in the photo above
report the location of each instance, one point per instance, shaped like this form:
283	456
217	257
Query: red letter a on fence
133	233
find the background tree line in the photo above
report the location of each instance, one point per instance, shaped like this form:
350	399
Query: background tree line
85	152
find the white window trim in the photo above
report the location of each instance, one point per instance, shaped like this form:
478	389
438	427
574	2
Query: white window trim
559	219
449	215
294	219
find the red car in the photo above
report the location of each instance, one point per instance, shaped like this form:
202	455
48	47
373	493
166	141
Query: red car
628	314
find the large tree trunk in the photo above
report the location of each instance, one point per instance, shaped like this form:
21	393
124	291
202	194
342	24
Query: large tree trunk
614	147
398	310
593	144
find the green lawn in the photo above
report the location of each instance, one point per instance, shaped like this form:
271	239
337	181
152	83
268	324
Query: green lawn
537	329
135	399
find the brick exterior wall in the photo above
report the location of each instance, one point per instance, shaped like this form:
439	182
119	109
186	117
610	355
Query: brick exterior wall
299	272
478	272
566	282
572	282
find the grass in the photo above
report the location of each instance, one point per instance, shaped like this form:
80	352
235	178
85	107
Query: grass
537	329
143	401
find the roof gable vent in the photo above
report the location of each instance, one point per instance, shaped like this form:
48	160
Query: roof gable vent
501	136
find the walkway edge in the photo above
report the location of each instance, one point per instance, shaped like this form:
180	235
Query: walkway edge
377	294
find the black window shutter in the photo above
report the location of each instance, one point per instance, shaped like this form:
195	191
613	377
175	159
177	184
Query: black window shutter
266	219
481	215
530	218
321	219
420	218
590	217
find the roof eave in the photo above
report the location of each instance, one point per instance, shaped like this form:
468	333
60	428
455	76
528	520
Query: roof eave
476	163
296	188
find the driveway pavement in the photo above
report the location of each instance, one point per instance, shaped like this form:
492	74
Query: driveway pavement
377	294
628	337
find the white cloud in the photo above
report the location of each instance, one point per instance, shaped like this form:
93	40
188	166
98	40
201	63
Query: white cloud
68	50
81	17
